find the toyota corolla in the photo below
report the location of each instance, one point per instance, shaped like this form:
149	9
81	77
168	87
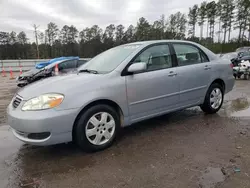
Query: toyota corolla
117	88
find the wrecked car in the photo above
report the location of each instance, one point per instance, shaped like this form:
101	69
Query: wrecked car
64	66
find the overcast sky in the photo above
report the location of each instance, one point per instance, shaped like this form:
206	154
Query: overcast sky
19	15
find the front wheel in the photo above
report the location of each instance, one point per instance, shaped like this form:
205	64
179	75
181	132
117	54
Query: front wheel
214	99
97	128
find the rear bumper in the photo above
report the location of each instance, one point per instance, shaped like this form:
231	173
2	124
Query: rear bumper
229	84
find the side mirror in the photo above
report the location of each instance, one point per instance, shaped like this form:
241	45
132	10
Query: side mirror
137	67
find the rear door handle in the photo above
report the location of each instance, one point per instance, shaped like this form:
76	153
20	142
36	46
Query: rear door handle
171	73
207	67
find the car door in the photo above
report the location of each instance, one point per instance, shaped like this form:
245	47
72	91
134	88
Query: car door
67	66
194	71
156	90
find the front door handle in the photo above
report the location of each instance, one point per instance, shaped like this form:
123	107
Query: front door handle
207	67
171	73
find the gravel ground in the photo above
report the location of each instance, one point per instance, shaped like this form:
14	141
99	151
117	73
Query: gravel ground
181	149
7	90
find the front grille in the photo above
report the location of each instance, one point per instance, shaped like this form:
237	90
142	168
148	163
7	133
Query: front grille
16	101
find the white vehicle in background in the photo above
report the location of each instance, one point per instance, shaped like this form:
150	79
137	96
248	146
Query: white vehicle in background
242	69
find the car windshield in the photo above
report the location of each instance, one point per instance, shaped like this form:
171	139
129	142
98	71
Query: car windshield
110	59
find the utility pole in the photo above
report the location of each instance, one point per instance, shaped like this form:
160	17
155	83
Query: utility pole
37	47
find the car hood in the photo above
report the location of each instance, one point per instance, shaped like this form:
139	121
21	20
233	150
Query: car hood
30	72
61	84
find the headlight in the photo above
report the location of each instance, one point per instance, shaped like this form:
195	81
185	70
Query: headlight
43	102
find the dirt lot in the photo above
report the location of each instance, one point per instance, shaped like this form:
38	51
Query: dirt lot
7	90
181	149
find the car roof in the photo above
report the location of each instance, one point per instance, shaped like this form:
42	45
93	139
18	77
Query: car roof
159	41
63	60
208	52
242	49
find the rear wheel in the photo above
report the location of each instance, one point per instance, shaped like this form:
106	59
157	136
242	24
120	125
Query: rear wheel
97	128
214	99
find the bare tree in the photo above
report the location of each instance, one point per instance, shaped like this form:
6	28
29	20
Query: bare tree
192	19
201	17
36	36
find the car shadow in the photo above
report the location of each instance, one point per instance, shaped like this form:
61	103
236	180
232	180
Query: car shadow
168	120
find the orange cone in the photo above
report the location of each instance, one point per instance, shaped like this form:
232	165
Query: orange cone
56	70
3	72
21	71
11	74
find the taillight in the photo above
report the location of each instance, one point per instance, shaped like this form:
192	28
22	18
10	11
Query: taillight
231	65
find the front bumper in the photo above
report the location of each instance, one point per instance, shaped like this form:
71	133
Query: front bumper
59	125
21	81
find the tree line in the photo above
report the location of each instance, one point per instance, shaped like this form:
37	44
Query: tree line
215	22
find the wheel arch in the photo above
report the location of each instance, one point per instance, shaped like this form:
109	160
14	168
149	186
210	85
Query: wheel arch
98	102
221	82
218	81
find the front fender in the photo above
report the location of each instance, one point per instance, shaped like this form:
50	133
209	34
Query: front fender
114	91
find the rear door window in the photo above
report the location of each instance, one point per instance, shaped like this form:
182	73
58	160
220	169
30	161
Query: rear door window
189	54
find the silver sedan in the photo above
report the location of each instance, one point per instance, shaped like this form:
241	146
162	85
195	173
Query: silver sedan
117	88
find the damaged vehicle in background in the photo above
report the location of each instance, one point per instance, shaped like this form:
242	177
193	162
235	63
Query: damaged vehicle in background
237	57
46	63
240	61
65	66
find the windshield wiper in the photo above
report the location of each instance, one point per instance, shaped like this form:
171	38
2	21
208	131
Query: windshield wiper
89	71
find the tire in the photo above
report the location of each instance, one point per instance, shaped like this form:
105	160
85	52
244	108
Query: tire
210	107
246	76
91	123
235	76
